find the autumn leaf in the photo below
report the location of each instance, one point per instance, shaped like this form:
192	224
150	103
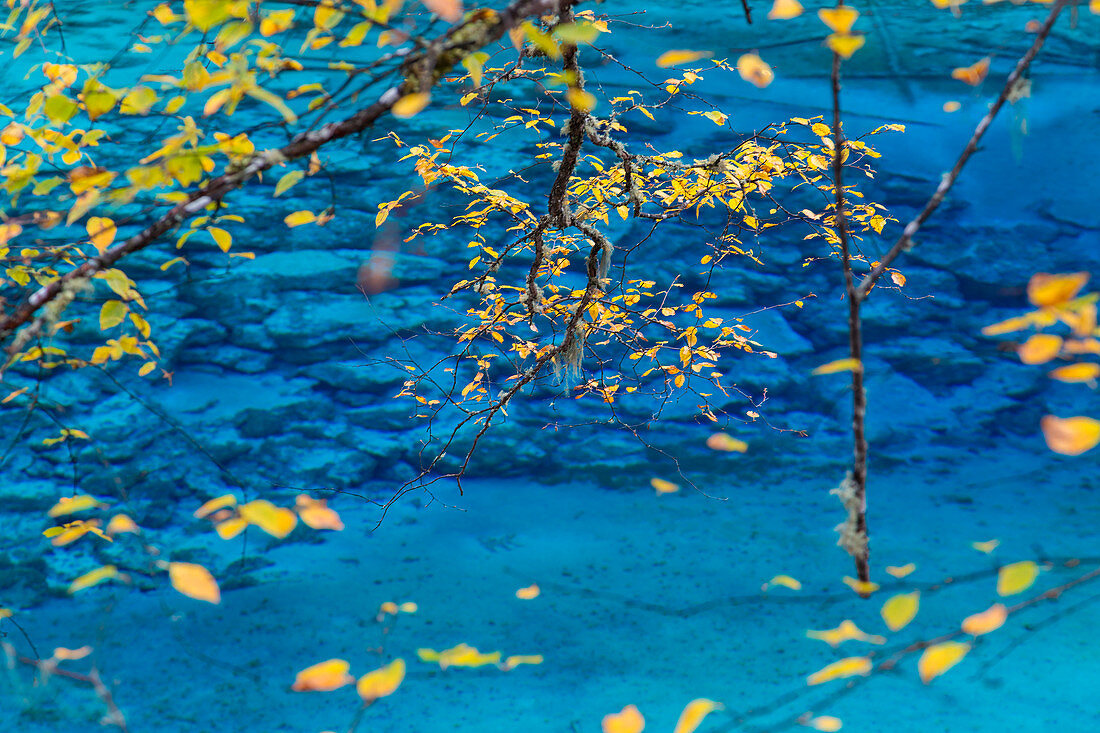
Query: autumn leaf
410	104
661	486
825	723
840	365
99	575
1039	348
846	631
515	660
323	677
973	74
785	9
693	714
678	57
448	10
381	682
194	581
988	620
899	610
987	547
844	45
839	19
1070	436
862	587
628	720
1016	578
939	658
900	571
847	667
1073	373
785	581
755	70
726	443
276	521
73	504
214	505
530	592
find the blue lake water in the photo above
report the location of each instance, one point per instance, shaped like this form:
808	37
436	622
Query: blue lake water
280	385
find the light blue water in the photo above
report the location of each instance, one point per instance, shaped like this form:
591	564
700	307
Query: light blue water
646	600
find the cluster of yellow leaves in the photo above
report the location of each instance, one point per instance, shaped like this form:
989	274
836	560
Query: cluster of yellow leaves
464	655
1058	302
230	518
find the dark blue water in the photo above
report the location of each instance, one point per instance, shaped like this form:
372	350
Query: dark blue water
282	382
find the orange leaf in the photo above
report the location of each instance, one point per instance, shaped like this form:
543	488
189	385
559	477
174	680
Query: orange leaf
973	74
323	677
663	487
194	581
726	443
988	620
276	521
1070	436
448	10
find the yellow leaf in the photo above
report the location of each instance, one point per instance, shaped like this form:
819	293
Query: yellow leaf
138	101
986	547
530	592
99	575
101	231
1081	372
410	105
448	10
194	581
580	99
517	659
839	20
663	487
951	106
826	723
843	44
1039	348
755	70
214	505
71	505
988	620
900	571
900	610
847	667
726	443
276	521
863	587
288	180
300	217
785	10
316	513
628	720
205	14
324	676
847	631
714	116
407	607
677	57
973	74
840	365
121	523
111	314
1016	577
694	713
784	580
939	658
381	682
1070	436
1045	289
230	528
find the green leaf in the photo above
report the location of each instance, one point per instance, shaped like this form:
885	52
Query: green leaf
111	314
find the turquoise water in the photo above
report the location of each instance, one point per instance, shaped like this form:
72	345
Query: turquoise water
279	386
